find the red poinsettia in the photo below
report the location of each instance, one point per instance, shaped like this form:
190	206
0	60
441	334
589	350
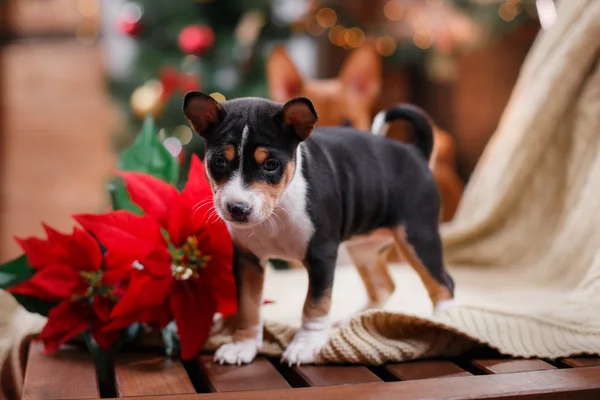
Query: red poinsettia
180	256
69	271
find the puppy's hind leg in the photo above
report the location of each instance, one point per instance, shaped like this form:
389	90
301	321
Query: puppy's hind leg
420	244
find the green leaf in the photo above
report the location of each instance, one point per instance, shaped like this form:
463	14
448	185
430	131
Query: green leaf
35	305
120	197
149	155
15	271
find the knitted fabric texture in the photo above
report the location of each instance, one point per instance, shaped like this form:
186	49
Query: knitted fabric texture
524	246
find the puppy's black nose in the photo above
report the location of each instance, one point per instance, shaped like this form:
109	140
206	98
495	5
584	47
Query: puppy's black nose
239	211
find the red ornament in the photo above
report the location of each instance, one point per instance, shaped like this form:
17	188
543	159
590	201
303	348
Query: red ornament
172	80
129	25
129	20
196	39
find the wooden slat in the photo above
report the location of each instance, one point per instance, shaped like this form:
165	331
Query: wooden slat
425	370
580	362
259	375
139	374
334	375
68	374
511	365
557	384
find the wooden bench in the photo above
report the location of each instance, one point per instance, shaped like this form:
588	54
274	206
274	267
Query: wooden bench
148	374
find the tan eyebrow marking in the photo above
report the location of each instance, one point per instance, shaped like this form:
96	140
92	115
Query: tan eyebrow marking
229	152
261	154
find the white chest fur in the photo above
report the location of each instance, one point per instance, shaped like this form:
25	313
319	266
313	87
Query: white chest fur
286	233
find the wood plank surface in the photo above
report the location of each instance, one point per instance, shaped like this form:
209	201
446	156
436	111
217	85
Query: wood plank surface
141	374
557	384
313	375
506	366
259	375
409	371
68	374
580	362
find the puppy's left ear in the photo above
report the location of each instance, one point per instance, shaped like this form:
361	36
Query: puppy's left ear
300	115
202	111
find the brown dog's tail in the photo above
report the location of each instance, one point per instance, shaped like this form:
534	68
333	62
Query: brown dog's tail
420	120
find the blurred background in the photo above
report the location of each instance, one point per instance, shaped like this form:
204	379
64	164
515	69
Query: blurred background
77	77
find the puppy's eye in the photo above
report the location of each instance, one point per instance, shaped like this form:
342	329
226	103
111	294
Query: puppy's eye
219	162
271	165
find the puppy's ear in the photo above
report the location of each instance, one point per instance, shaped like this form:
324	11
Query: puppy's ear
202	111
362	71
283	78
299	114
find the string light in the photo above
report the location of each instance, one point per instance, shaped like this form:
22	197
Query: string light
385	45
423	39
88	8
337	35
509	10
354	37
313	27
326	17
393	11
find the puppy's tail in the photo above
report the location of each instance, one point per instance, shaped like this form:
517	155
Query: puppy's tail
422	124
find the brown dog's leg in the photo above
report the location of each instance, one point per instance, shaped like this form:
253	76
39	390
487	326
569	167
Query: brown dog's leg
247	339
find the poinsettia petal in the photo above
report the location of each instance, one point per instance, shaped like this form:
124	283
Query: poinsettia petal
102	308
123	232
53	283
64	322
197	198
197	186
143	291
57	239
153	195
159	314
84	251
117	268
104	338
193	308
179	215
39	252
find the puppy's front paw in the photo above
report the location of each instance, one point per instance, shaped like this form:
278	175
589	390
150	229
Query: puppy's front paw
237	353
305	347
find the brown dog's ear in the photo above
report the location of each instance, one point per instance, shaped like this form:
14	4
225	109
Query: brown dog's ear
300	115
202	111
361	72
283	78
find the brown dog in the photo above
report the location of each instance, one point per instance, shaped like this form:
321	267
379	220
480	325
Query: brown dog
349	99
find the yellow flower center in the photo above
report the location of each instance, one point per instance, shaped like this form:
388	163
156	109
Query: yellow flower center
188	260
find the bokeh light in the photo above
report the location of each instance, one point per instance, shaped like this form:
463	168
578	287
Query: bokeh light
326	17
385	45
88	8
423	38
313	27
393	11
218	97
337	35
354	37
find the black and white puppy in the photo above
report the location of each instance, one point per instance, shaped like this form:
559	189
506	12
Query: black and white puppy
286	191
